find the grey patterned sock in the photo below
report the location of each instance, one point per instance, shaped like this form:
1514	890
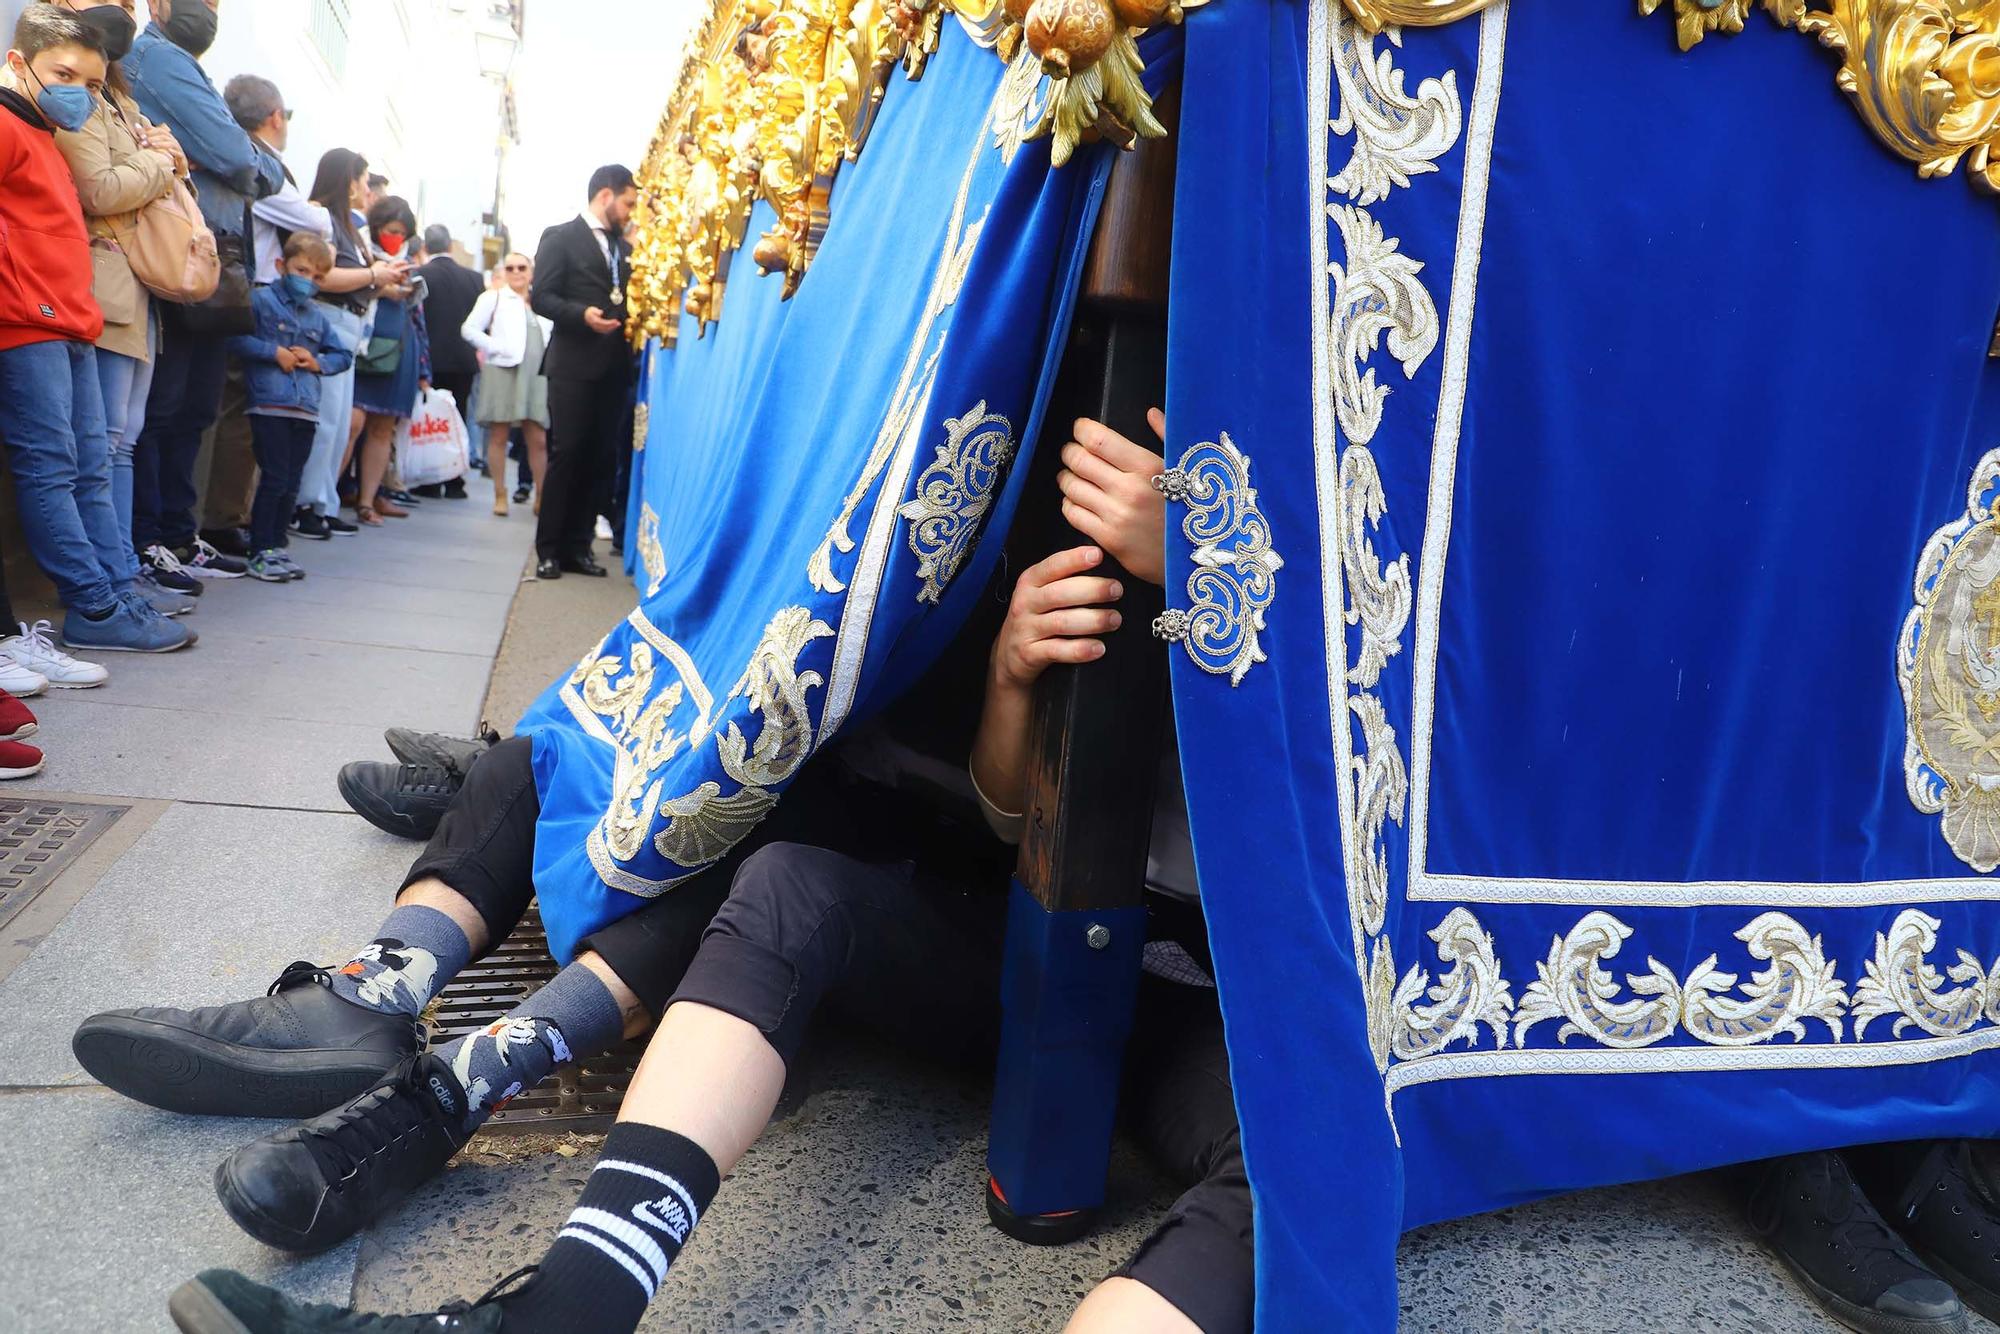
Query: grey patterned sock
417	952
572	1017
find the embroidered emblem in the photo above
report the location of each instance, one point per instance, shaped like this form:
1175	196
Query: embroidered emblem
1471	994
1396	136
1900	981
953	495
642	421
1574	987
704	825
651	557
1948	664
1375	291
1378	594
1235	569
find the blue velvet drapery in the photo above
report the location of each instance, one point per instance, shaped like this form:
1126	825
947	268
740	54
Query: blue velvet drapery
1592	406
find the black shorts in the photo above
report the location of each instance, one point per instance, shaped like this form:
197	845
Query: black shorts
914	953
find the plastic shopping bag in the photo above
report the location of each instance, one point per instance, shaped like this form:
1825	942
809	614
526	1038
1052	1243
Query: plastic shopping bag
431	445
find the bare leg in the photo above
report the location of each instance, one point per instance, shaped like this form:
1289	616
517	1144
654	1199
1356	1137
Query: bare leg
375	461
709	1076
496	465
538	456
356	421
1127	1306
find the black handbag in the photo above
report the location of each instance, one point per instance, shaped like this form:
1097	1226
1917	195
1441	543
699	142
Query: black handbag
226	313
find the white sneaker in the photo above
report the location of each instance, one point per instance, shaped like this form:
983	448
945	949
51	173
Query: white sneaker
20	681
603	529
35	650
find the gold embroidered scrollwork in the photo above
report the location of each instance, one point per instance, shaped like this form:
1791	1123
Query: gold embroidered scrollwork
705	823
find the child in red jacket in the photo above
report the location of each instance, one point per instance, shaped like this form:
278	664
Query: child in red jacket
51	405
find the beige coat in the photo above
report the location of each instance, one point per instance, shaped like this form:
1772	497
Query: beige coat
114	179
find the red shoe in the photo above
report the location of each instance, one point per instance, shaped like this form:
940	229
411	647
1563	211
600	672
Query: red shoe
16	723
19	761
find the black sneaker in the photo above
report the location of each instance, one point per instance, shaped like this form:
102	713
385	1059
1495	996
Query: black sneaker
521	494
222	1301
310	525
315	1185
402	497
201	560
1816	1219
340	527
1948	1218
165	567
407	800
229	541
293	1052
455	489
452	753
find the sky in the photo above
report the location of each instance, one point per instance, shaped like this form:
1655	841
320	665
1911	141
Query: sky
589	93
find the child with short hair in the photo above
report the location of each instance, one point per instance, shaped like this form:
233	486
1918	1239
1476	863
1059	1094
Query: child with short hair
293	347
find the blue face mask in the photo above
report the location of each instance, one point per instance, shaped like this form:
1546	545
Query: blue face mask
300	289
67	106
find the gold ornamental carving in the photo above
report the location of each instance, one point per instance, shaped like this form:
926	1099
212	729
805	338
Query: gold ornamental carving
773	97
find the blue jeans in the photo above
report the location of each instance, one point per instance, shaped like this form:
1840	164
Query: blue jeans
187	395
126	383
319	485
52	416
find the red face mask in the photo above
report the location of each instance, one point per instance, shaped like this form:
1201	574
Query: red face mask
392	245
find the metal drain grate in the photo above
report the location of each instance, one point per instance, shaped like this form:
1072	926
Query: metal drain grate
584	1096
40	838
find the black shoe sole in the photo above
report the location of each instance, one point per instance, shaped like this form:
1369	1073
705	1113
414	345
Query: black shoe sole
1979	1298
370	808
1863	1321
196	1310
178	1071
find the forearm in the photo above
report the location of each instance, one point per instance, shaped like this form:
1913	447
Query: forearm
342	281
1000	750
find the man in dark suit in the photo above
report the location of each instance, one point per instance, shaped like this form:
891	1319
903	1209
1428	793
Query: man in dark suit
451	292
580	272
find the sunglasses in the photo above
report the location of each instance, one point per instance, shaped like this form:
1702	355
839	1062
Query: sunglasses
517	268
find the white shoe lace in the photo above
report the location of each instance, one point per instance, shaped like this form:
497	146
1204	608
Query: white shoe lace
204	553
163	559
39	643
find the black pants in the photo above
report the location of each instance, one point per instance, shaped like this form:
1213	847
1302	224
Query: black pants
914	954
282	445
584	419
484	848
459	385
187	395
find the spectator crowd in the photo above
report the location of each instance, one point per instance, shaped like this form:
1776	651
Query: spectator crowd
202	362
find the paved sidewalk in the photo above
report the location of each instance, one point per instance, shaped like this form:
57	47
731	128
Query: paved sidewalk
859	1210
235	857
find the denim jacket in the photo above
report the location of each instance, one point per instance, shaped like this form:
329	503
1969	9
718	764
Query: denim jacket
281	322
230	167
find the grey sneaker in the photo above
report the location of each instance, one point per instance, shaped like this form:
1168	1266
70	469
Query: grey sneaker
437	750
270	567
132	627
160	598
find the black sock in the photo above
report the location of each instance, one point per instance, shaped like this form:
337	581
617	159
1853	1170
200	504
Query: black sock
639	1207
103	615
